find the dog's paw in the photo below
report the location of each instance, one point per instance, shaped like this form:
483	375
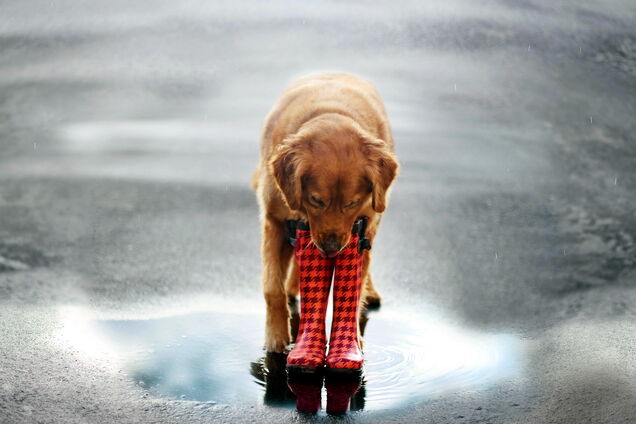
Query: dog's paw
277	341
373	300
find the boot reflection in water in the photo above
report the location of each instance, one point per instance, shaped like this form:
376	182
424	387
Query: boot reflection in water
307	392
339	394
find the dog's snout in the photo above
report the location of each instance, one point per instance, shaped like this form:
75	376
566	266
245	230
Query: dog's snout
331	245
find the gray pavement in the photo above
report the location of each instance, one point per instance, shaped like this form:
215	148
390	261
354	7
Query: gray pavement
128	135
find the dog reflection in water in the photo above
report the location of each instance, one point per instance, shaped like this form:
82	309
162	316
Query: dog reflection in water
343	392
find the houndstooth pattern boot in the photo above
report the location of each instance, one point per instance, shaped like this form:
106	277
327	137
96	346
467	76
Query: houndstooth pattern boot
344	343
315	273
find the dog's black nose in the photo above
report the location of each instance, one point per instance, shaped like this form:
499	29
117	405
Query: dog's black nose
330	245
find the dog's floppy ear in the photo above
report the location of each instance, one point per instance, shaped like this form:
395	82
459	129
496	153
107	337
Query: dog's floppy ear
284	166
381	169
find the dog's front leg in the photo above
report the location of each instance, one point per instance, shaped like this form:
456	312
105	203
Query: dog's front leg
276	254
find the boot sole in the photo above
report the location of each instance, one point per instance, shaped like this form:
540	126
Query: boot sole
304	371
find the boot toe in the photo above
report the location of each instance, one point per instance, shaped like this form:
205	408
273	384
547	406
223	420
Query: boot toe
349	360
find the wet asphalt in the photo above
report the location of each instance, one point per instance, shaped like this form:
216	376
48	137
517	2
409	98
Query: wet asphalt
129	132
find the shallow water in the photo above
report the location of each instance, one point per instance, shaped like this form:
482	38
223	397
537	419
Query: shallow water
214	356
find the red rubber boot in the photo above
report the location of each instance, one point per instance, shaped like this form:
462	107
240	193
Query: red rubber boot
345	355
316	271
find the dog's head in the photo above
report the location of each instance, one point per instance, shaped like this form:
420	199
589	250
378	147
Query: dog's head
333	171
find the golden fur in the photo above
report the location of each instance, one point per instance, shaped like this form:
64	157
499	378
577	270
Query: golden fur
326	157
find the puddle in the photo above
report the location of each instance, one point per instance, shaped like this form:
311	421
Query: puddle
215	356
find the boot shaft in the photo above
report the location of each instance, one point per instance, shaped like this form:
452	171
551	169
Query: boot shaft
315	274
344	342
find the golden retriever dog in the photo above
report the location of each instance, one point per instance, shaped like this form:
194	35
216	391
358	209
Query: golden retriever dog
326	157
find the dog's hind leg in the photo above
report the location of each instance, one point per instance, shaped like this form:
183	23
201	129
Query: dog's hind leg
370	295
372	298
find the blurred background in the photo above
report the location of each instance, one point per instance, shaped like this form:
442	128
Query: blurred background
128	135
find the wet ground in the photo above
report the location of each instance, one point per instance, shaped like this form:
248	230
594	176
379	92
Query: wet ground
129	245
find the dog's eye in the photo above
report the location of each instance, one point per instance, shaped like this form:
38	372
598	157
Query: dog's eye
317	201
352	203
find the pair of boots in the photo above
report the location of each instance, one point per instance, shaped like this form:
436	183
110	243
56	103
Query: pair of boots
316	271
